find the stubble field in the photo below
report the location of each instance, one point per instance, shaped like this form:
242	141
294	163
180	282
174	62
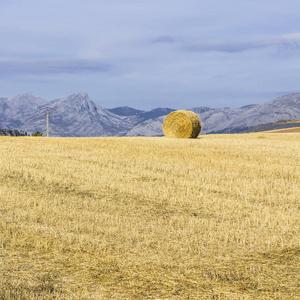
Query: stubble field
150	218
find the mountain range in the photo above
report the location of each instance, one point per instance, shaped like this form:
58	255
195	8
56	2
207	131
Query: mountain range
77	115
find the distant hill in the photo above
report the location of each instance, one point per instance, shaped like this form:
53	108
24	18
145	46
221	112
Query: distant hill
138	116
287	130
288	124
125	111
287	121
78	115
282	108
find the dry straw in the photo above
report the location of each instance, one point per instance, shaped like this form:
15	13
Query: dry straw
182	124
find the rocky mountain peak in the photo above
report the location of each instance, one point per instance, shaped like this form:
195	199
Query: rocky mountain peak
26	98
79	102
290	98
79	98
22	104
80	95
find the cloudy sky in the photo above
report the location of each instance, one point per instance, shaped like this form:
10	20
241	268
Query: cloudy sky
145	54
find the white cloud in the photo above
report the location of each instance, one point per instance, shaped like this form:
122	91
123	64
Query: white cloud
49	66
138	50
288	42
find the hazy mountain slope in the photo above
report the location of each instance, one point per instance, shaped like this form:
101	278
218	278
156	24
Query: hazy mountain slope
271	126
2	99
75	115
14	111
225	120
285	107
151	127
78	115
156	113
20	104
136	117
125	111
214	119
210	120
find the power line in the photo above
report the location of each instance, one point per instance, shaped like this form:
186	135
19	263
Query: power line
47	111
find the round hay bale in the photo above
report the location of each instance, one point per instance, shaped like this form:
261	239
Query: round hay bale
182	124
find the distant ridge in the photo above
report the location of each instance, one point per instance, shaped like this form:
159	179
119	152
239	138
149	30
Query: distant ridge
272	126
125	111
77	115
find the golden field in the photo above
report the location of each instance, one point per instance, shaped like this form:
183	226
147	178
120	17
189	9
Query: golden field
215	217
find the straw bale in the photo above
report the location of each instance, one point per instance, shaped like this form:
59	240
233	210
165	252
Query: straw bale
182	124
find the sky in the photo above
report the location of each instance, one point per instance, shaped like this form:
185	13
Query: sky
146	54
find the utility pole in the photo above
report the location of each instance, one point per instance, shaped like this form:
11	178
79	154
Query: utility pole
47	111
